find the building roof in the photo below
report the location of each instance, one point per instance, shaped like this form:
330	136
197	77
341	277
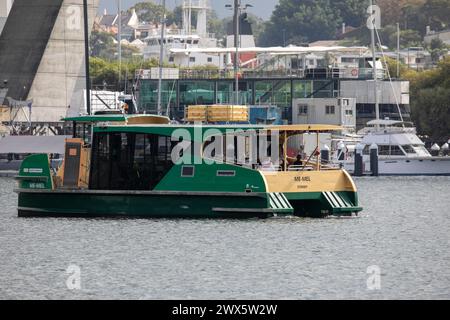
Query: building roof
107	20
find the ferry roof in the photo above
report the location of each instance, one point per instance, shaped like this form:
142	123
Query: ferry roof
130	119
203	131
97	118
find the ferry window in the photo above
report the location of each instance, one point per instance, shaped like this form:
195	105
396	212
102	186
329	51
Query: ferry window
408	149
129	161
329	109
226	173
187	171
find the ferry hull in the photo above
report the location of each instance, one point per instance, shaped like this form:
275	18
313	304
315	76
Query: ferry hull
144	204
89	204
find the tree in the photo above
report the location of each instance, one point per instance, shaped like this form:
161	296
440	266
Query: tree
437	13
302	20
430	101
104	45
149	12
104	71
352	12
437	49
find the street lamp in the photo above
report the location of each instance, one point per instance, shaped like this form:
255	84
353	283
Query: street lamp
237	17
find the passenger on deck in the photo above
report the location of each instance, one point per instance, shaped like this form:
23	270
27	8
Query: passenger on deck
298	162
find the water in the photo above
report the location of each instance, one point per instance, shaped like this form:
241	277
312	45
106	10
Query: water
404	230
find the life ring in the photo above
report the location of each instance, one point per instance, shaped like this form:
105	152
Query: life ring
355	72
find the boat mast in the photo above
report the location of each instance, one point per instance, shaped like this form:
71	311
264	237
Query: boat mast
374	60
86	53
119	38
398	50
237	6
161	56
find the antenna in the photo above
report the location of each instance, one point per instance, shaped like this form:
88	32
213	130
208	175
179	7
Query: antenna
86	53
161	56
374	61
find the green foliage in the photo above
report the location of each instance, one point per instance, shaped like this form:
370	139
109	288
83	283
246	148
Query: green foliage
302	20
430	98
104	71
352	12
430	101
437	49
103	45
149	12
437	14
311	20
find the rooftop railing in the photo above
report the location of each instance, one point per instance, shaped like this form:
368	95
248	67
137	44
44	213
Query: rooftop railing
312	73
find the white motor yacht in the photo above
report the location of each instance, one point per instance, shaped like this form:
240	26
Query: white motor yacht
400	151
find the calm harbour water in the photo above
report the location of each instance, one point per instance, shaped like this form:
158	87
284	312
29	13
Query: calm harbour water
404	230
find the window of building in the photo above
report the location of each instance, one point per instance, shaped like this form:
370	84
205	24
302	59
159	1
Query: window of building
349	112
330	109
303	110
171	59
191	59
210	59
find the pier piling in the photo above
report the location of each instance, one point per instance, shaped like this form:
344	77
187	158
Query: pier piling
374	160
358	172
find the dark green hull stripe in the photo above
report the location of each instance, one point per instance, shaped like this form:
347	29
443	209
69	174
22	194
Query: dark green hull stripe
163	204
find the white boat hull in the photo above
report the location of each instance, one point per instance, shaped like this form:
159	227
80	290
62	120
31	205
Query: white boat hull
407	166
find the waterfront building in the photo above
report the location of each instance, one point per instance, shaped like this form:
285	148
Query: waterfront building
185	38
281	81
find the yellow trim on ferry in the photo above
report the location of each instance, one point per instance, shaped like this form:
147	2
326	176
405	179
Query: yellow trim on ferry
308	181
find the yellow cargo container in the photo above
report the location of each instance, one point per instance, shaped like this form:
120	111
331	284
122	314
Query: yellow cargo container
217	113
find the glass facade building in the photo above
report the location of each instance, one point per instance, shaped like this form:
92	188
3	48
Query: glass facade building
280	92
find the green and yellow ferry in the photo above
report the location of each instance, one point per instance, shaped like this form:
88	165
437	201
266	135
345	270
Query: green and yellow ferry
144	166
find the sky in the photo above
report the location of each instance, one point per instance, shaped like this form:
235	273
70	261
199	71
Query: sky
262	8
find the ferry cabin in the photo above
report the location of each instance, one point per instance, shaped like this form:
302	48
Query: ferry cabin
163	170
